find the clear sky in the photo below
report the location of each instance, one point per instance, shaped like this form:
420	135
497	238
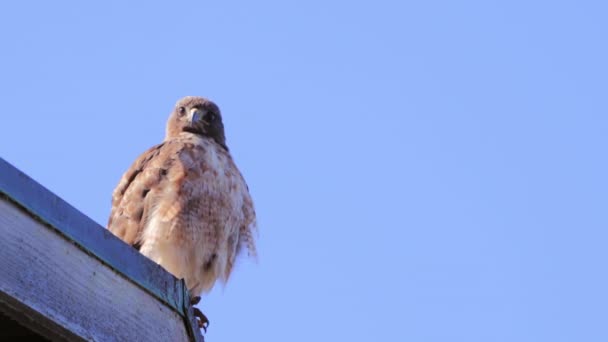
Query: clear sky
422	171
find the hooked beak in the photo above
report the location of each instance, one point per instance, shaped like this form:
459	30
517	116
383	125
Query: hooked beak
196	117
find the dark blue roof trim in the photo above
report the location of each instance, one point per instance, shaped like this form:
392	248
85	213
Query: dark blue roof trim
95	240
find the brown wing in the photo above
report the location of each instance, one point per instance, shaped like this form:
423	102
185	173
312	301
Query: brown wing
134	196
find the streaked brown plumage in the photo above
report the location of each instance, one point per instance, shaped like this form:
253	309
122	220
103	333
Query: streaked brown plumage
184	203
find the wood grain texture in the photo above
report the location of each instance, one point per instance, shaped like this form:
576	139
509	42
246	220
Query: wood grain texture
54	277
53	211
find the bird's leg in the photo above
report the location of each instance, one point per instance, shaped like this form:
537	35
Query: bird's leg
201	319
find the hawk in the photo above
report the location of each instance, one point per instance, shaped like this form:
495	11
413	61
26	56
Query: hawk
184	203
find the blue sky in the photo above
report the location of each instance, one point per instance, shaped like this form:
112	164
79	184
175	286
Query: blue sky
422	171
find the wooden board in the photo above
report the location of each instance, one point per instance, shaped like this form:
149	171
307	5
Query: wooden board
70	289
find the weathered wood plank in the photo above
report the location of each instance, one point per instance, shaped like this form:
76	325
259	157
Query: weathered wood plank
33	326
54	277
49	208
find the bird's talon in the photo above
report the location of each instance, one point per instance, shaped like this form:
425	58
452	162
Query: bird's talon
195	300
201	319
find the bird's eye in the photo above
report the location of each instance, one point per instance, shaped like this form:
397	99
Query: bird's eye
210	117
181	111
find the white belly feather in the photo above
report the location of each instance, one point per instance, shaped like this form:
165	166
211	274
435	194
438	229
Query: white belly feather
199	241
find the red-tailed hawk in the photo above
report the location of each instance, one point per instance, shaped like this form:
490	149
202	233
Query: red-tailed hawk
184	204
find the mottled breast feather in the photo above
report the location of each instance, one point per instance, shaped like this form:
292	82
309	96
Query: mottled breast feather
185	205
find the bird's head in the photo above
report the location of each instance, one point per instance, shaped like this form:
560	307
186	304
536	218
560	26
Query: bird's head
199	116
